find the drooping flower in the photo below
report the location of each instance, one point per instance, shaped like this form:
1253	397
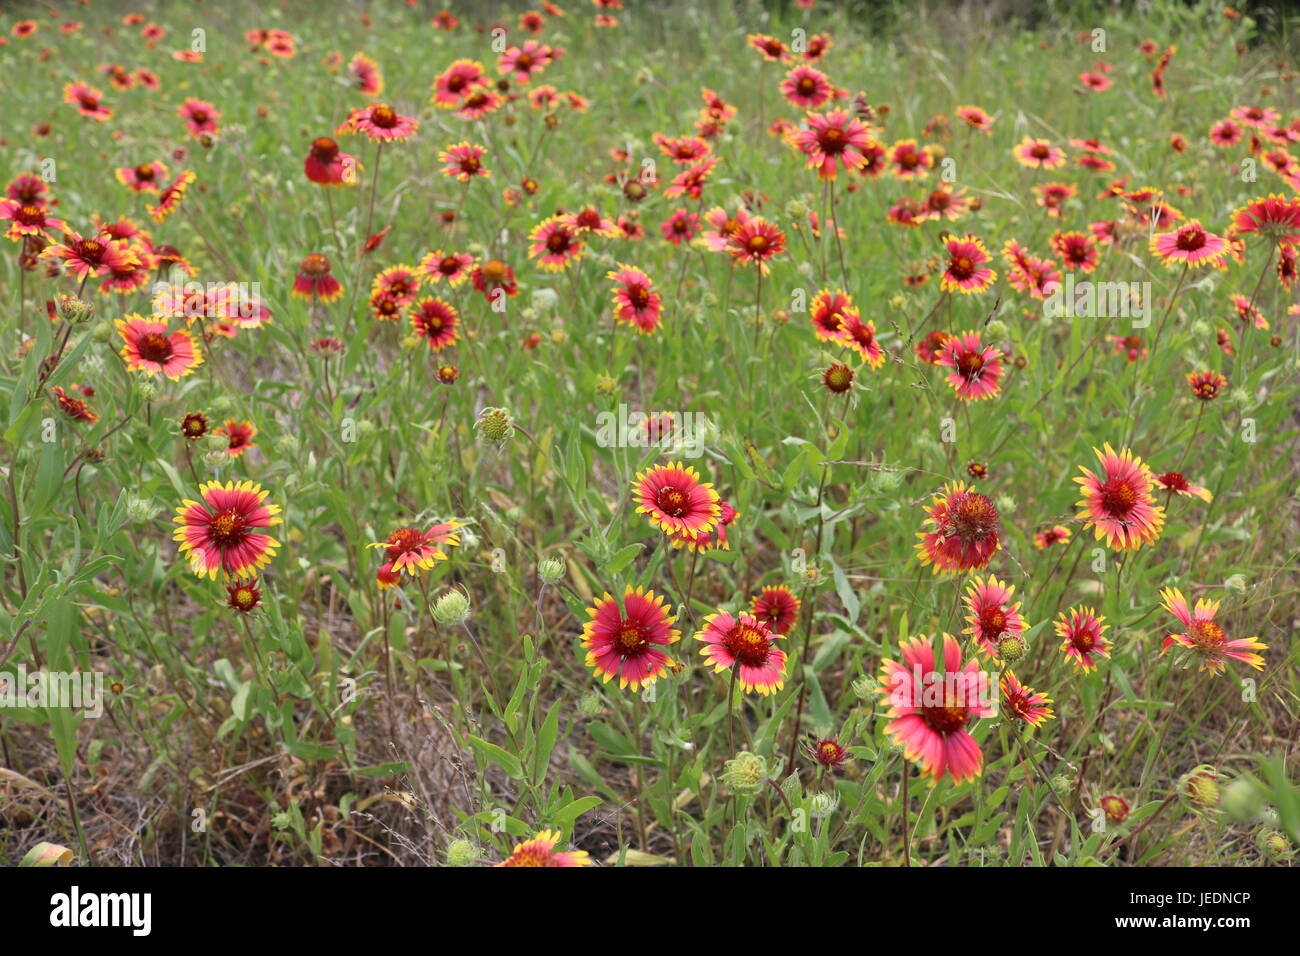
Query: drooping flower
224	531
965	531
628	642
327	165
1082	635
170	198
1117	503
992	615
314	280
1205	637
675	500
777	607
410	550
931	708
150	348
240	436
366	76
540	851
1176	483
745	643
74	408
976	368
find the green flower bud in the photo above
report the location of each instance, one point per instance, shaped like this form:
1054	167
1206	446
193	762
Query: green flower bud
140	509
103	331
551	570
462	853
1236	582
1062	785
605	385
1275	845
147	389
495	426
1012	648
451	609
997	329
1243	800
590	705
744	773
1200	787
365	428
1006	505
75	310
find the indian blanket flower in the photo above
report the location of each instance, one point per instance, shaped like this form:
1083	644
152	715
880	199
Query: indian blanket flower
170	198
436	322
680	226
225	530
1118	503
931	708
910	161
74	408
314	280
1206	385
540	851
380	122
976	368
1205	637
87	100
455	267
675	500
1189	244
95	255
410	551
965	531
145	178
1273	217
966	272
327	165
239	436
777	607
519	63
992	615
243	596
29	219
634	302
1056	534
828	312
1024	703
832	140
700	541
1082	635
806	88
683	150
366	76
1039	154
555	244
861	337
772	49
744	643
464	161
976	118
627	642
150	348
200	117
756	242
457	83
494	279
1176	483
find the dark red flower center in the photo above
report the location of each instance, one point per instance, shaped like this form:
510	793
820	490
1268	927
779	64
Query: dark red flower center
945	720
1174	481
1206	634
973	517
403	541
631	639
324	149
1118	497
962	267
314	265
1190	239
970	363
672	501
228	529
748	645
383	117
144	171
155	347
639	296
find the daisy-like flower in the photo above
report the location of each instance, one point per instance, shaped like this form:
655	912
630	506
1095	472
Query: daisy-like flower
1082	635
224	532
457	83
380	122
74	408
634	302
931	708
240	436
1189	244
1258	117
1025	703
777	607
455	267
1052	196
680	226
366	76
410	550
1056	534
930	348
170	198
1206	385
827	753
756	242
150	348
992	615
1117	503
698	542
194	425
976	118
494	279
1248	312
28	219
520	63
1205	637
589	219
540	851
861	337
555	244
1039	154
690	182
1225	134
806	88
966	272
145	178
910	161
1077	250
1131	346
832	140
464	161
243	596
828	312
436	322
327	165
1175	483
683	150
314	280
87	100
965	531
675	500
947	203
628	642
200	117
479	104
90	255
976	368
745	643
1273	217
399	282
772	49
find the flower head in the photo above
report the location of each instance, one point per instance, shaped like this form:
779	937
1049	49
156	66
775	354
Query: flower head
150	348
1118	503
223	532
777	607
628	642
747	644
1204	637
540	851
976	368
964	533
1082	635
675	500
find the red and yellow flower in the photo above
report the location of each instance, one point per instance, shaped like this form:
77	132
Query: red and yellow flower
627	642
745	643
224	531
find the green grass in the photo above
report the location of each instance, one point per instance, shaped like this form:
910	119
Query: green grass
339	724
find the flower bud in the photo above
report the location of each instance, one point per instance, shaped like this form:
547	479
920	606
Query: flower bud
1012	648
462	853
495	426
551	570
451	608
745	773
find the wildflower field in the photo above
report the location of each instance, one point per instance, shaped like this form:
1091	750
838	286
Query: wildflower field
699	433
